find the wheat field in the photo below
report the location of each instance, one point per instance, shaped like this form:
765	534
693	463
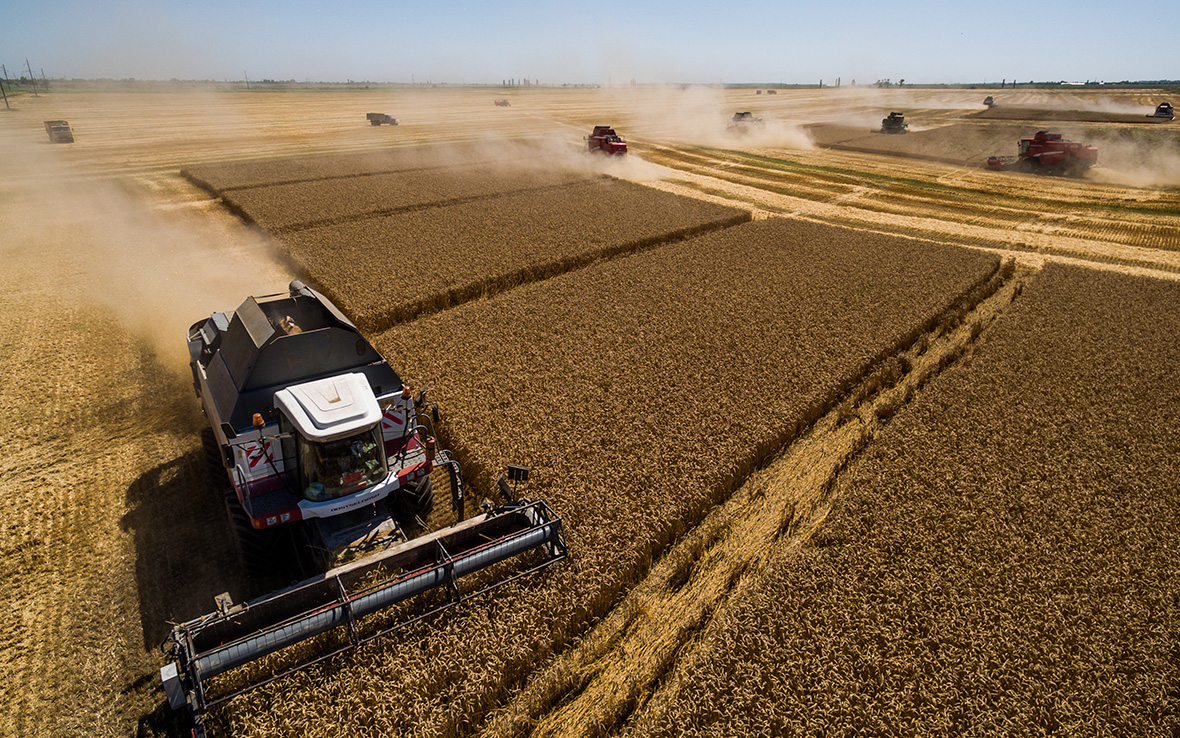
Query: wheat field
960	378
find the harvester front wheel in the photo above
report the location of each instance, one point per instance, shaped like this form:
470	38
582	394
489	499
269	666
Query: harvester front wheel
211	452
417	500
256	548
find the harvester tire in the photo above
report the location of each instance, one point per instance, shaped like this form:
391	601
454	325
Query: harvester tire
256	548
417	499
211	452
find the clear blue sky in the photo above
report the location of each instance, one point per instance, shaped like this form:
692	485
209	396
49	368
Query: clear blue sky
922	41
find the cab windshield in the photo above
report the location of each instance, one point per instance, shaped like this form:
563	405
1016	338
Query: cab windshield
332	469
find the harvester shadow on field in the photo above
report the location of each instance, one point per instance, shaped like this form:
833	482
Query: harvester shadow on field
184	550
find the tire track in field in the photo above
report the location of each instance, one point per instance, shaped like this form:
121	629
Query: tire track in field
591	689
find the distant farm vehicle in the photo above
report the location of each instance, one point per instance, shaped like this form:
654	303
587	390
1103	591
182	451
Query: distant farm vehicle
989	101
771	92
503	103
324	456
743	122
1164	110
604	139
59	132
895	123
1048	153
757	92
377	119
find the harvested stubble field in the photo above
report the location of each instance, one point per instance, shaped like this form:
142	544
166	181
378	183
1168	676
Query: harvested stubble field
1021	213
390	268
1001	561
642	391
110	254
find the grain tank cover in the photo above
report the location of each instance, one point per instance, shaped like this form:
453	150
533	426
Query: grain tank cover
329	408
277	341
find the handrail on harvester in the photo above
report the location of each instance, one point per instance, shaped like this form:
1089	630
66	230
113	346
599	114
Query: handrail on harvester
213	644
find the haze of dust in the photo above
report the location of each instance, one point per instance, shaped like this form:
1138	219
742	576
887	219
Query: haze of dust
158	267
1137	163
699	115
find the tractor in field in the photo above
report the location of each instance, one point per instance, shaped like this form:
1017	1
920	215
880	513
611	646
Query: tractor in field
59	131
895	123
503	103
1164	110
325	457
989	101
603	139
743	122
376	119
1048	153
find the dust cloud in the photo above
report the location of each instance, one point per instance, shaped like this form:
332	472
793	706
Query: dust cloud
700	116
1137	163
157	267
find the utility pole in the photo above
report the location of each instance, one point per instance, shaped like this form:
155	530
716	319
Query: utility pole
34	79
6	105
247	80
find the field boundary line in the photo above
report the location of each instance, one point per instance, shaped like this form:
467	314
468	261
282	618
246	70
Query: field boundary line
592	688
208	186
368	215
528	275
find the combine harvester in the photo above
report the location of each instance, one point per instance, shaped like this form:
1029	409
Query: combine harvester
1047	153
894	123
604	139
1164	110
744	122
325	456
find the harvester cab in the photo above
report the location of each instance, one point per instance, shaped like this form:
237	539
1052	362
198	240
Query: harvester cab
313	435
895	123
989	101
604	139
1164	110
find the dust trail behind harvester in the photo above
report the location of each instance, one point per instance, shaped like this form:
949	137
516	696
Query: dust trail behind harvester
157	266
1149	161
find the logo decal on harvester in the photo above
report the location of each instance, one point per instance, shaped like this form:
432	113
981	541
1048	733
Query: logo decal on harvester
256	453
390	418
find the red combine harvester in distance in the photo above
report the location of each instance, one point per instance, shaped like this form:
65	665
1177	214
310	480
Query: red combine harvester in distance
1047	153
604	139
